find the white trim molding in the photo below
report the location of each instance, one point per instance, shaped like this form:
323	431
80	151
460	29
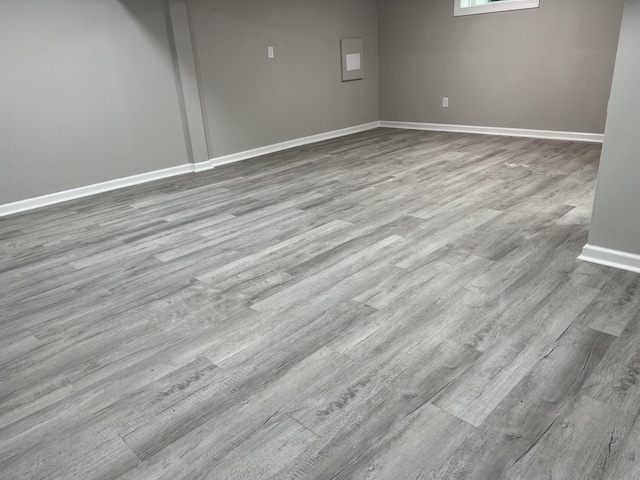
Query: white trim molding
278	147
51	199
73	194
510	132
611	258
58	197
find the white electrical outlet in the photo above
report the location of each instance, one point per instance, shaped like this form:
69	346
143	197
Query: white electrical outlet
270	52
445	102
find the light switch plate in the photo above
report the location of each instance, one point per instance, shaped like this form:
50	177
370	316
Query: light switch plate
353	62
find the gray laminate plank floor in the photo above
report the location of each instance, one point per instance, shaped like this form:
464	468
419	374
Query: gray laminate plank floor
388	305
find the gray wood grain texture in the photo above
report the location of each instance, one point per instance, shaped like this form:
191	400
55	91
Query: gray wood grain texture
388	305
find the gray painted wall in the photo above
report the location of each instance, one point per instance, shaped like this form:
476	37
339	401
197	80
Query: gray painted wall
548	68
616	215
251	101
93	92
88	94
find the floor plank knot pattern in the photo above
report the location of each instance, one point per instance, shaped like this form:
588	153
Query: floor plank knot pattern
388	305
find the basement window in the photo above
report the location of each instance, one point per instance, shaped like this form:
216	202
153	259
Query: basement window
473	7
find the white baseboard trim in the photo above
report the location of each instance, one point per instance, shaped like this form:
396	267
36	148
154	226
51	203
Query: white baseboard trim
611	258
202	166
51	199
511	132
37	202
278	147
73	194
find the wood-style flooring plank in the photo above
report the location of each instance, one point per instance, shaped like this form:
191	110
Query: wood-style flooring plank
588	426
531	409
391	304
475	394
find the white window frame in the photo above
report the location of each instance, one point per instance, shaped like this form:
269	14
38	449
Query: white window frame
501	6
